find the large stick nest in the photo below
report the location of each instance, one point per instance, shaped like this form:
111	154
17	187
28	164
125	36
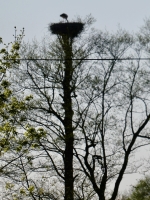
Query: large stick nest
71	29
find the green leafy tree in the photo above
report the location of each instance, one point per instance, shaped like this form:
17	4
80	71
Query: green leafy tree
141	191
12	109
9	105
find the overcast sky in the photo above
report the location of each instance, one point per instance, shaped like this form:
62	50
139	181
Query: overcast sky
35	15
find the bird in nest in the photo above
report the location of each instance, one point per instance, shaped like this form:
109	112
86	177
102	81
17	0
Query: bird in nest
64	16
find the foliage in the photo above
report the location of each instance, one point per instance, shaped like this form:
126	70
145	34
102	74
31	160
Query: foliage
10	106
141	191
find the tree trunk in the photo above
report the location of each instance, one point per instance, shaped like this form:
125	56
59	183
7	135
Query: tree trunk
69	137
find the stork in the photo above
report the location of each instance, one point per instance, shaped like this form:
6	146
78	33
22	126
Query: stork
64	16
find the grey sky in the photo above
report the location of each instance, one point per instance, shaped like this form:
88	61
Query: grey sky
35	15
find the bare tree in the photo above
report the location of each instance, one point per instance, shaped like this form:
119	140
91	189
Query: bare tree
117	113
